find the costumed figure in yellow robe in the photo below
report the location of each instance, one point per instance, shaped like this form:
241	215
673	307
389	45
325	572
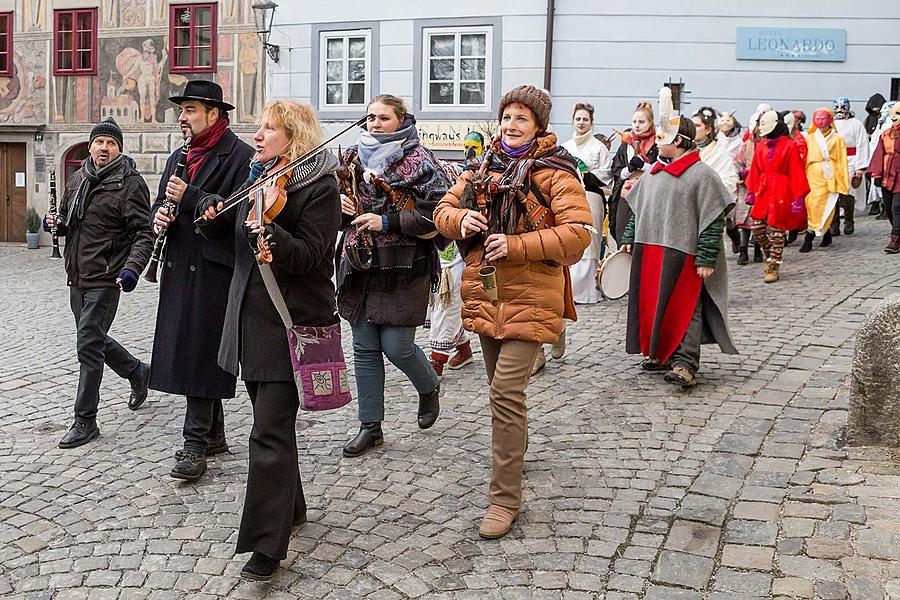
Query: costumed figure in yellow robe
826	170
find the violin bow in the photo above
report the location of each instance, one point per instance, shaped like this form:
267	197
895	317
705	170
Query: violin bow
238	197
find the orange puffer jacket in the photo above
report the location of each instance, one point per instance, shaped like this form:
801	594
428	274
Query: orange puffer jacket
531	288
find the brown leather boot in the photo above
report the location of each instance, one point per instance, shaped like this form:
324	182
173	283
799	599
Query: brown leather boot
894	246
772	271
497	522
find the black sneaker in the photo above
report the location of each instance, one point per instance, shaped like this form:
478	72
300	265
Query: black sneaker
190	466
80	434
260	567
139	388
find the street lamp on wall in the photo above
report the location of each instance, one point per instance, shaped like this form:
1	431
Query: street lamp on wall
264	15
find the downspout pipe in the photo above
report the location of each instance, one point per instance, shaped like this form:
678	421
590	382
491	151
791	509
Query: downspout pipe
548	45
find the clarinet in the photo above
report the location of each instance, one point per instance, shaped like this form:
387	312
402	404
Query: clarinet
54	212
153	266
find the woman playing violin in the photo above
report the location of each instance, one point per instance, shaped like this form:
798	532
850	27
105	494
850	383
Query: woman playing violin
301	239
395	184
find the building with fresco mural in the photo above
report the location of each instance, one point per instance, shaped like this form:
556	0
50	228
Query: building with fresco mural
67	64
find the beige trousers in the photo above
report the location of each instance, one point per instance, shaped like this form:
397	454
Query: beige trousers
508	364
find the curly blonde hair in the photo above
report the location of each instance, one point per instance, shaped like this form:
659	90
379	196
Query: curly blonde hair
299	121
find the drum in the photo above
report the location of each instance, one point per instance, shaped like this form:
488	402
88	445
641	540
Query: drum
614	275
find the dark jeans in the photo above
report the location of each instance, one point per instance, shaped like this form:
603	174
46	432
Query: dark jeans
688	352
204	422
274	491
94	310
371	343
892	208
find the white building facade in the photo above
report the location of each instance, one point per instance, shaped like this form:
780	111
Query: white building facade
452	61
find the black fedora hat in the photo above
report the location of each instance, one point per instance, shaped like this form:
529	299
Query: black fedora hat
202	91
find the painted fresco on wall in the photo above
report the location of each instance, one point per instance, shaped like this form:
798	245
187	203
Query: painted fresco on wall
248	65
34	14
22	95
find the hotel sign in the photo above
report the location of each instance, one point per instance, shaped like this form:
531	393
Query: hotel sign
447	135
796	44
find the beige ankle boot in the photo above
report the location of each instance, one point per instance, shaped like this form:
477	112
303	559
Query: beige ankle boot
497	522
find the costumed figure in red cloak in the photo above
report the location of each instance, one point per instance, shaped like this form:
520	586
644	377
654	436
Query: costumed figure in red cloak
778	183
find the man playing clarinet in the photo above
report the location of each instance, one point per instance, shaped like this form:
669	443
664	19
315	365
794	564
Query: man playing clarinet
195	274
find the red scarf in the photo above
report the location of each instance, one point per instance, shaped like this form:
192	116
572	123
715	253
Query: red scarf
202	143
678	166
642	142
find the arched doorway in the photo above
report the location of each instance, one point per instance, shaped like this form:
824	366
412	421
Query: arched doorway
72	162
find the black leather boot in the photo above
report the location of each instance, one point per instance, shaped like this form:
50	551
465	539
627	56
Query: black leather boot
874	209
429	408
826	239
807	242
758	255
369	436
190	466
743	256
80	434
735	237
791	237
260	567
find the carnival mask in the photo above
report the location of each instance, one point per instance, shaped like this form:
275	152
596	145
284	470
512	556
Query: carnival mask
767	122
841	107
894	114
822	119
725	122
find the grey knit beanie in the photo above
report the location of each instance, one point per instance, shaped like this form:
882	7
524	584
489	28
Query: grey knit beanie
109	128
536	99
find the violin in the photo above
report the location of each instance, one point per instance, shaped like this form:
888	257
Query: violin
266	203
280	172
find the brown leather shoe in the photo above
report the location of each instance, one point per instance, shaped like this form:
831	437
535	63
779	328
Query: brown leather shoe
497	522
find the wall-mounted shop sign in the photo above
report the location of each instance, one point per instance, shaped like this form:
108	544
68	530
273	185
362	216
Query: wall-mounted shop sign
799	44
449	135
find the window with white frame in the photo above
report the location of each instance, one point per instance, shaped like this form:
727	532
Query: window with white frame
344	68
457	67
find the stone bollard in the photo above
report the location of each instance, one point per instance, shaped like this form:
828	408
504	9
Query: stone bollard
875	380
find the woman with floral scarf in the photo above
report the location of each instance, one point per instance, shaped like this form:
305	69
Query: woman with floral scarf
520	216
387	261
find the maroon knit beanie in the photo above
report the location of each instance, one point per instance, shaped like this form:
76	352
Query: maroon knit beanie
536	99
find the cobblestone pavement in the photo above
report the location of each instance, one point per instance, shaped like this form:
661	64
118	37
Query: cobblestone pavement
738	489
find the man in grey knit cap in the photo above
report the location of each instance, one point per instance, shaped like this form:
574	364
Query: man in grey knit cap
105	216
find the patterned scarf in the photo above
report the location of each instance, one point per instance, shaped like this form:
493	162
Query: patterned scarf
92	176
507	205
378	151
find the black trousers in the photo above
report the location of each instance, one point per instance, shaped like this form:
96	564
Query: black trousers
94	310
892	208
204	422
274	491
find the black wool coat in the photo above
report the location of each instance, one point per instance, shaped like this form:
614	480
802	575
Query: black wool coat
619	212
303	240
194	277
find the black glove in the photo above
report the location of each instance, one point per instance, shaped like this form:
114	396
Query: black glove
128	280
635	164
267	231
206	202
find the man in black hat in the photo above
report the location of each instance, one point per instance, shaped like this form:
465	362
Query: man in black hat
195	274
103	259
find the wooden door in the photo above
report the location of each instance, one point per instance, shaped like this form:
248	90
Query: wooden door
13	192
